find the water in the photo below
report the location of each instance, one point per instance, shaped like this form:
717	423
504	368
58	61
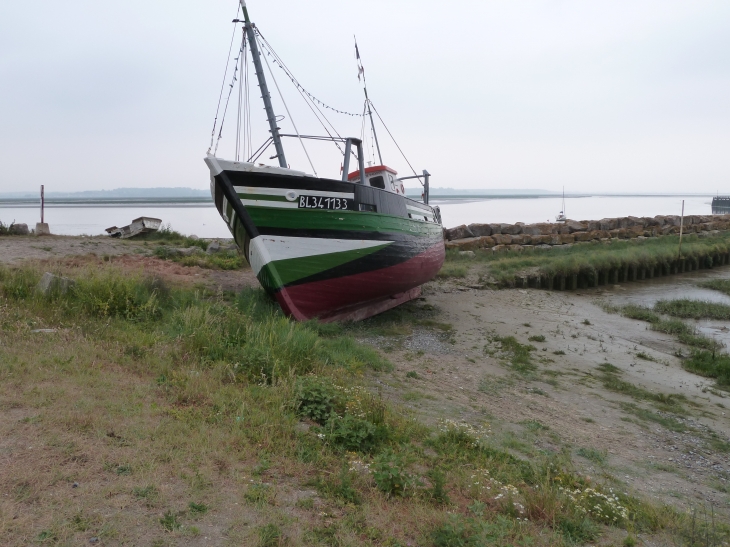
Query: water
203	219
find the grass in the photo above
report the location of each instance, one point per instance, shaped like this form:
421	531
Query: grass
693	309
517	354
450	269
722	285
589	258
190	409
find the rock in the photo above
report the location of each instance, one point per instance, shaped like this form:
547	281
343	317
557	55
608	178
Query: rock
510	229
232	247
546	247
566	239
193	237
532	229
42	229
470	254
575	226
460	232
75	485
213	247
608	224
499	248
18	230
515	248
582	236
190	251
502	239
480	229
520	239
50	283
636	221
471	243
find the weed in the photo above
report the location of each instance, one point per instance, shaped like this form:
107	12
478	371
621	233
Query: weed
197	508
693	309
645	356
586	322
437	492
258	494
537	338
609	368
452	270
170	522
559	352
390	475
596	456
534	425
412	374
147	492
270	535
519	354
710	364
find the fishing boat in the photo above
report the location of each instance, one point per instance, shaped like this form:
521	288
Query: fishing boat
324	248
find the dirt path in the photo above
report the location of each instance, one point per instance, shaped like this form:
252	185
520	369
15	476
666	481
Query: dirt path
678	458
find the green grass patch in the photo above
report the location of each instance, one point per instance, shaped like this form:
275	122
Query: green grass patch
452	270
693	309
518	354
722	285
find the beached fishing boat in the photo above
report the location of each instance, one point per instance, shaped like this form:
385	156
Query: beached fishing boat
324	248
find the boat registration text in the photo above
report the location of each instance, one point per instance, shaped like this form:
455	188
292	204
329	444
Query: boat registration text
317	202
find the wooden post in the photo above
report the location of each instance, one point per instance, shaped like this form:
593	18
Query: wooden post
681	229
43	203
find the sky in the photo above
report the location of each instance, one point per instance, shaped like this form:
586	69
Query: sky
619	96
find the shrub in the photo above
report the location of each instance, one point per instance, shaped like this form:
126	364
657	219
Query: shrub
317	398
537	338
354	434
390	475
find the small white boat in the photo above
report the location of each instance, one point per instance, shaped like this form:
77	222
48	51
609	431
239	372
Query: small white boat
140	225
561	217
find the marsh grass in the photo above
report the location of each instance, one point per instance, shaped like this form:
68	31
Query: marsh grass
215	408
591	257
722	285
693	309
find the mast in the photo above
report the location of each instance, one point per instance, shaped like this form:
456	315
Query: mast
265	95
367	100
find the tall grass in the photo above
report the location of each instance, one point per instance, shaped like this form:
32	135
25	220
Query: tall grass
693	309
591	257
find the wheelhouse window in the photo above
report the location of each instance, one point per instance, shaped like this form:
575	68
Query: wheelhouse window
377	182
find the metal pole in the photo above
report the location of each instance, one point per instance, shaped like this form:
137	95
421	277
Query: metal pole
681	228
346	164
360	160
43	203
372	124
426	176
265	95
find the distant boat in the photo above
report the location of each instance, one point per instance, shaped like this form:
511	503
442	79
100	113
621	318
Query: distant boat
323	248
561	217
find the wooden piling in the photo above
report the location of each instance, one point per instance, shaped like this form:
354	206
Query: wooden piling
573	282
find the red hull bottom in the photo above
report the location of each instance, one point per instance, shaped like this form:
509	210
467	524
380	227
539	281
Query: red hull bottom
356	297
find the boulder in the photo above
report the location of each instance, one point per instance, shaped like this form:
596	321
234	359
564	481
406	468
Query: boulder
510	229
635	231
18	230
541	240
562	229
499	248
608	224
582	236
496	229
469	254
555	239
460	232
471	243
566	239
532	229
502	239
190	251
515	248
593	225
193	237
480	229
575	226
660	220
520	239
213	247
53	283
636	221
231	247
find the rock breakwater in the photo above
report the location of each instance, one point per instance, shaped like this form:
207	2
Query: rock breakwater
519	236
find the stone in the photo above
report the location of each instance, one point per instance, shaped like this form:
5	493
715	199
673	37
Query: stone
608	224
231	247
575	226
532	229
18	230
496	228
660	220
566	239
53	283
541	239
543	246
470	254
593	225
510	229
193	237
190	251
502	239
519	239
499	248
42	229
471	243
562	229
636	221
460	232
582	236
555	239
480	229
515	248
213	247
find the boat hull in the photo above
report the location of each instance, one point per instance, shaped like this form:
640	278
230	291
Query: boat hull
370	254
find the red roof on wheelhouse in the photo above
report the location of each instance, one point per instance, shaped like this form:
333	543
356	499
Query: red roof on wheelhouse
373	169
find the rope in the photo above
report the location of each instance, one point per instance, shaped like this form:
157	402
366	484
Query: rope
283	67
394	141
228	100
240	97
223	83
290	116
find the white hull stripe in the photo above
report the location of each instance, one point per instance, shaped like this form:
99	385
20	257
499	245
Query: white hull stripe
283	192
276	204
265	249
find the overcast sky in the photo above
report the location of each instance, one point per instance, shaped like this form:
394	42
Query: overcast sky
597	96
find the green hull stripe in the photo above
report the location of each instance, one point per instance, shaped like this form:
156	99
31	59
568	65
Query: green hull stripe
318	219
292	269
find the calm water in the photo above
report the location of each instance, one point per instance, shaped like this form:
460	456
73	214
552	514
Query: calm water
203	220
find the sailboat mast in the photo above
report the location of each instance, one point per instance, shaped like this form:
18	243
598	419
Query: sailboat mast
265	95
367	100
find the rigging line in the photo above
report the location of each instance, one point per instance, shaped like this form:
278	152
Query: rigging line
291	76
290	116
247	111
394	141
228	100
240	98
223	83
271	51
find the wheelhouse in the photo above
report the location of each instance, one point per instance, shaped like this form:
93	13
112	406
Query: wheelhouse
380	176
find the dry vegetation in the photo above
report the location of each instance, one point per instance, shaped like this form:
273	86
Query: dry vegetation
136	412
